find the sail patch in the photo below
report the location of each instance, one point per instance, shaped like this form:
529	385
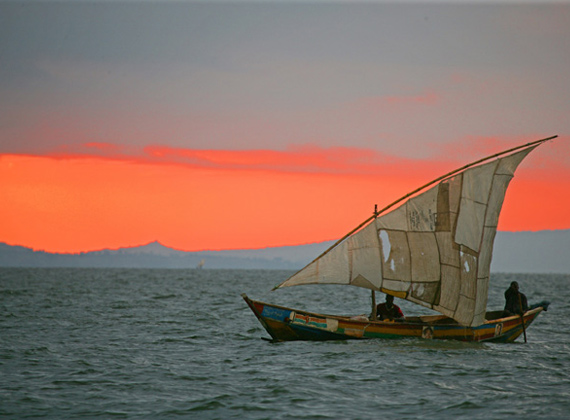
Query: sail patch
364	257
396	287
397	267
395	220
468	275
481	300
508	165
386	247
425	257
465	310
470	223
448	249
422	211
486	252
425	293
333	267
450	288
449	195
477	182
498	190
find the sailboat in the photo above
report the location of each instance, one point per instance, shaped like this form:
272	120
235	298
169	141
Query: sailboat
434	250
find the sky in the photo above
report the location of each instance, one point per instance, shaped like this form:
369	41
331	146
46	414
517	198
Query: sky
231	125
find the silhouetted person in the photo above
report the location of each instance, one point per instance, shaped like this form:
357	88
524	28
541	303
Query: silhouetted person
389	311
515	301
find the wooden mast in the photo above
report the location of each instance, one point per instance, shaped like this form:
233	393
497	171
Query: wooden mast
374	311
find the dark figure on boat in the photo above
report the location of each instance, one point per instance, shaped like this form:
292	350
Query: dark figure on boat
516	302
389	311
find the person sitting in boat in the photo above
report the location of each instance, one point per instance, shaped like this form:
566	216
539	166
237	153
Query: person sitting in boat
389	311
516	302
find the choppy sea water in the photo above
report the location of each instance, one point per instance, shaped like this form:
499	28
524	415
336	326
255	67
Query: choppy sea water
161	344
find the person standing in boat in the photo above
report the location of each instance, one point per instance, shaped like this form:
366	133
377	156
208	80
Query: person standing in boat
389	311
515	301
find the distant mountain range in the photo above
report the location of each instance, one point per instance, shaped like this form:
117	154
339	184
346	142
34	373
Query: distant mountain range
156	255
514	252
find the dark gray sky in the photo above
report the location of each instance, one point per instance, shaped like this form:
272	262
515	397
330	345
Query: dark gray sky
403	78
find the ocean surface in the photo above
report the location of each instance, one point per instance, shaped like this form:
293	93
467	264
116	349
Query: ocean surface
182	344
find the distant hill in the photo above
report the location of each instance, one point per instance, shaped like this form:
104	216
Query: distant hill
156	255
515	252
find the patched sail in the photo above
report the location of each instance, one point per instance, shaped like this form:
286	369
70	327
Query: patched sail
434	250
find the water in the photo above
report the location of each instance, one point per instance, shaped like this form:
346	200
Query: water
161	344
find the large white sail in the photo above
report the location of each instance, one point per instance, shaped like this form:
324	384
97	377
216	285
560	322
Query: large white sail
434	250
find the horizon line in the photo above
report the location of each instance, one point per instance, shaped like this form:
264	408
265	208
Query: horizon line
156	241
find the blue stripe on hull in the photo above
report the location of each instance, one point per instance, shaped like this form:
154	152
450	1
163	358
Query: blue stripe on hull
276	314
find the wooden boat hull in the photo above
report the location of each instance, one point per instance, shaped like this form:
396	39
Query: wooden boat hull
286	324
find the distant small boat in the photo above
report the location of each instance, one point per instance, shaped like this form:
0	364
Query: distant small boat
201	264
434	250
